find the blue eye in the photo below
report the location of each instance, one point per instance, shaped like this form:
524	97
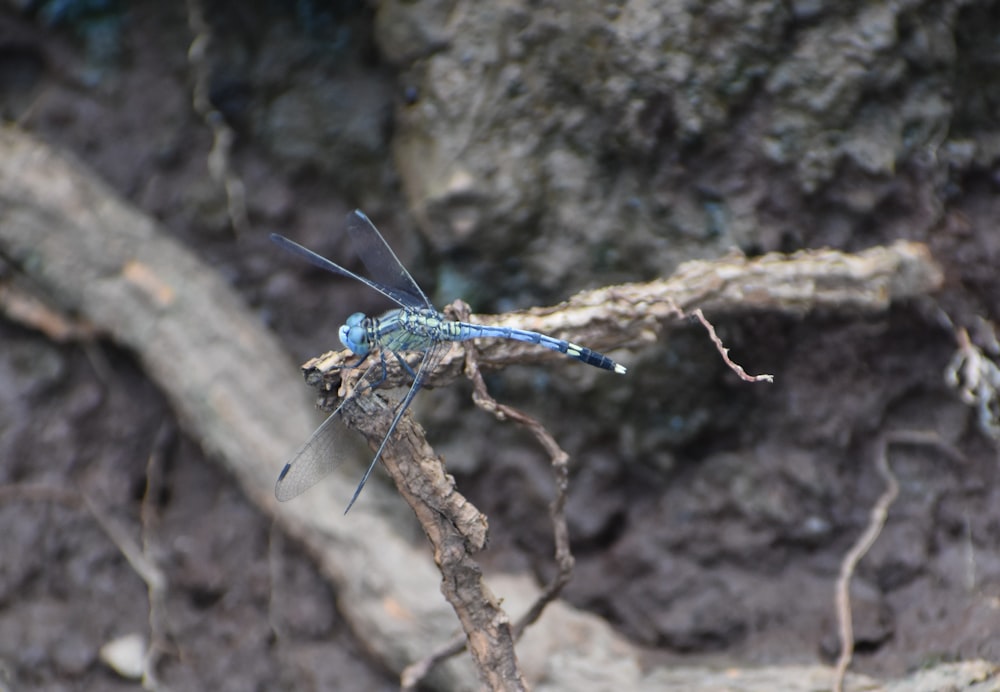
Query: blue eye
354	336
355	320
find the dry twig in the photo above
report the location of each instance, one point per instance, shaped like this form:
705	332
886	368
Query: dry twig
142	557
724	352
879	513
557	510
158	628
976	377
219	167
456	530
415	673
632	315
148	571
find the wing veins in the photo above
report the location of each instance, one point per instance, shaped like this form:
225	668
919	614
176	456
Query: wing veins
321	454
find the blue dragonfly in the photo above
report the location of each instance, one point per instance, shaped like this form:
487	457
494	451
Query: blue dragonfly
415	326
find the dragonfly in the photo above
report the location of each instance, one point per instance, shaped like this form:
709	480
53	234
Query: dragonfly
415	326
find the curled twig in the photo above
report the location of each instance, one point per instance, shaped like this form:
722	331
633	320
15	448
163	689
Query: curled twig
560	469
879	513
219	167
414	673
724	352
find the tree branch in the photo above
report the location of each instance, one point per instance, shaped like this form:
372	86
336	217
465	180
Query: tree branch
632	315
456	530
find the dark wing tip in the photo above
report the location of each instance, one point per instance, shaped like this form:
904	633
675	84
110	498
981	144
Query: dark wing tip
281	492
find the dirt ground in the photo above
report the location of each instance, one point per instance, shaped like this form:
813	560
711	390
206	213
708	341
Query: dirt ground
719	541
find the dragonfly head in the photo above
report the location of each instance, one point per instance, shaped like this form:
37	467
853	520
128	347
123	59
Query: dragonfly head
354	335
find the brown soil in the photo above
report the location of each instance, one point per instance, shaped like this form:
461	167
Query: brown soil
719	541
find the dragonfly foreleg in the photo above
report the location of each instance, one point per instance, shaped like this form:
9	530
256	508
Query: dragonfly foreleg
373	385
351	366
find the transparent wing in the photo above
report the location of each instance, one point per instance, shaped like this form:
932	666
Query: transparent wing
323	452
382	264
324	263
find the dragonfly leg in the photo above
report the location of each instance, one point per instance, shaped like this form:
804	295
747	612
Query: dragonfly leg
405	365
372	386
352	366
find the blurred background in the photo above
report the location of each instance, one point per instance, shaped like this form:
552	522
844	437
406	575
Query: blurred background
513	154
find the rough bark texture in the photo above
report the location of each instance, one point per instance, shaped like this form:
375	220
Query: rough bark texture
632	315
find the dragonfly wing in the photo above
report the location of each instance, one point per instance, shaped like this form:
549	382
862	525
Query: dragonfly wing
317	458
323	452
323	263
382	264
431	358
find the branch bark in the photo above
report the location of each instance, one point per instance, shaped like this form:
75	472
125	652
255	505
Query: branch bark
632	315
456	530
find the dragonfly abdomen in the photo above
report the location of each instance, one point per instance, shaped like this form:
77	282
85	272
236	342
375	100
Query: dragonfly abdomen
583	354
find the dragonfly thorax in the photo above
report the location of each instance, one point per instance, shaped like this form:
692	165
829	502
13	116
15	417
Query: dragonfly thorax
355	334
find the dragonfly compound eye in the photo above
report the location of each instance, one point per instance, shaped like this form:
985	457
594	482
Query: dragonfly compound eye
355	338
